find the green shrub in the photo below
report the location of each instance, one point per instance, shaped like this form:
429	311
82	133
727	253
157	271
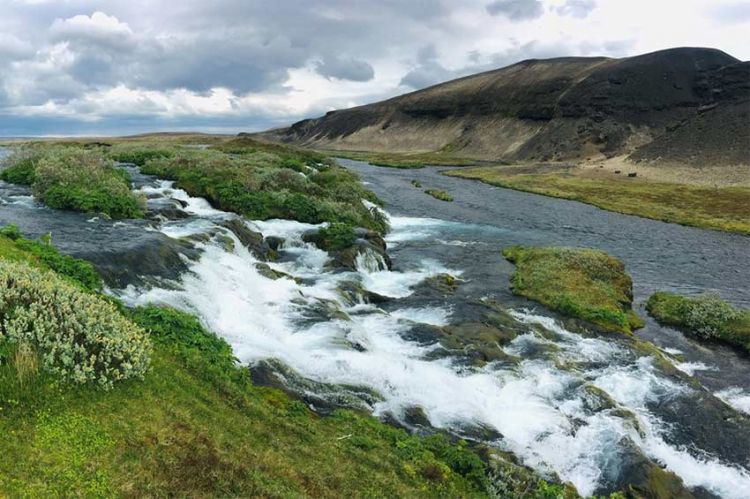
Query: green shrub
84	181
707	317
19	167
138	155
336	236
78	336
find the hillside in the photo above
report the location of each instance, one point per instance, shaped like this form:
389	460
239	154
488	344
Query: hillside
651	107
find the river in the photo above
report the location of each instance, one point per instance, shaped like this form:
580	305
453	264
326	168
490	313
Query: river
540	397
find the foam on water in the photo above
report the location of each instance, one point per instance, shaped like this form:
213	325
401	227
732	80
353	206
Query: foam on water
736	397
545	407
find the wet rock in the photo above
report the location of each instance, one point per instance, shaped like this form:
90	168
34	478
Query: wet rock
415	416
275	242
639	477
151	255
366	242
249	238
324	398
353	293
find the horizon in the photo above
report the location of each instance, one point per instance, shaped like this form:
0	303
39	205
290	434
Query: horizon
103	69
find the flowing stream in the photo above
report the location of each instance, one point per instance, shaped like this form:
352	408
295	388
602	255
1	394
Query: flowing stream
589	409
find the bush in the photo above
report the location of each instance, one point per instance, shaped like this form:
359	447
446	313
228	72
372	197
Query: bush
84	181
138	155
336	236
78	336
708	315
20	166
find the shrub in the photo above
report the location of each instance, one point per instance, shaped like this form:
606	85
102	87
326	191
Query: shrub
84	181
20	166
336	236
78	336
138	155
708	315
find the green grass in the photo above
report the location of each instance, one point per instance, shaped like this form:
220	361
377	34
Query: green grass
72	178
402	160
336	236
582	283
725	208
439	194
705	317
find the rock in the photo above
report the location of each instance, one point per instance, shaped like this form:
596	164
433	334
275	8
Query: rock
323	397
631	175
275	242
249	238
353	293
415	416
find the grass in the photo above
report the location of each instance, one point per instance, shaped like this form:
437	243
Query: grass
263	181
439	194
196	426
726	208
402	160
705	317
582	283
72	178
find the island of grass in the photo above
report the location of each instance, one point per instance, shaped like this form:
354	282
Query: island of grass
582	283
706	317
439	194
73	178
721	208
179	417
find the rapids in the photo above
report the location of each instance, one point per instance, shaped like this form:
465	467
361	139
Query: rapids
568	403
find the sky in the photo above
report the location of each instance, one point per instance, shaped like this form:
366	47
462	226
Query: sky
106	67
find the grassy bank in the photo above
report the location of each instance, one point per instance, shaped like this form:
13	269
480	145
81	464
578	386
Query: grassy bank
582	283
402	160
726	208
439	194
263	181
194	425
705	317
73	178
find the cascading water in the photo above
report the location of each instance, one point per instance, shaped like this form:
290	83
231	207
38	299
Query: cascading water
580	407
542	406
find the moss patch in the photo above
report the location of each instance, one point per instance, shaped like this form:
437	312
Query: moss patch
439	194
582	283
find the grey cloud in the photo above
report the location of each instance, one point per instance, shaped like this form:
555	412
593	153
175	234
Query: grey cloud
732	13
345	69
577	8
516	10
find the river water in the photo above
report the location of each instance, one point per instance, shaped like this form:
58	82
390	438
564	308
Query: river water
540	398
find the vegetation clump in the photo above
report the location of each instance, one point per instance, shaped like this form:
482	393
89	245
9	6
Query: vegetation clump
707	317
439	194
269	181
582	283
336	236
70	178
76	335
137	154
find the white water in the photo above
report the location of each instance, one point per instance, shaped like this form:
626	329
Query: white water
540	406
737	398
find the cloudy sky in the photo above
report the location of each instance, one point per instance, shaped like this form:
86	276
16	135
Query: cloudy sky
106	67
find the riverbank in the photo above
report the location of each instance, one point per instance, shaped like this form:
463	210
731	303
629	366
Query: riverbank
719	208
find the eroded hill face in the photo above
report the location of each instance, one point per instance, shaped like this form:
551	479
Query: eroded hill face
690	105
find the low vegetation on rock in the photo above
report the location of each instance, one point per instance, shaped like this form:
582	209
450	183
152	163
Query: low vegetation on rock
71	178
582	283
706	317
439	194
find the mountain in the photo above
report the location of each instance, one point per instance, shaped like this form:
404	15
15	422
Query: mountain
685	105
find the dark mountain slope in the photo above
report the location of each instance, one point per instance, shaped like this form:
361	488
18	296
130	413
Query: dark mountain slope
564	108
